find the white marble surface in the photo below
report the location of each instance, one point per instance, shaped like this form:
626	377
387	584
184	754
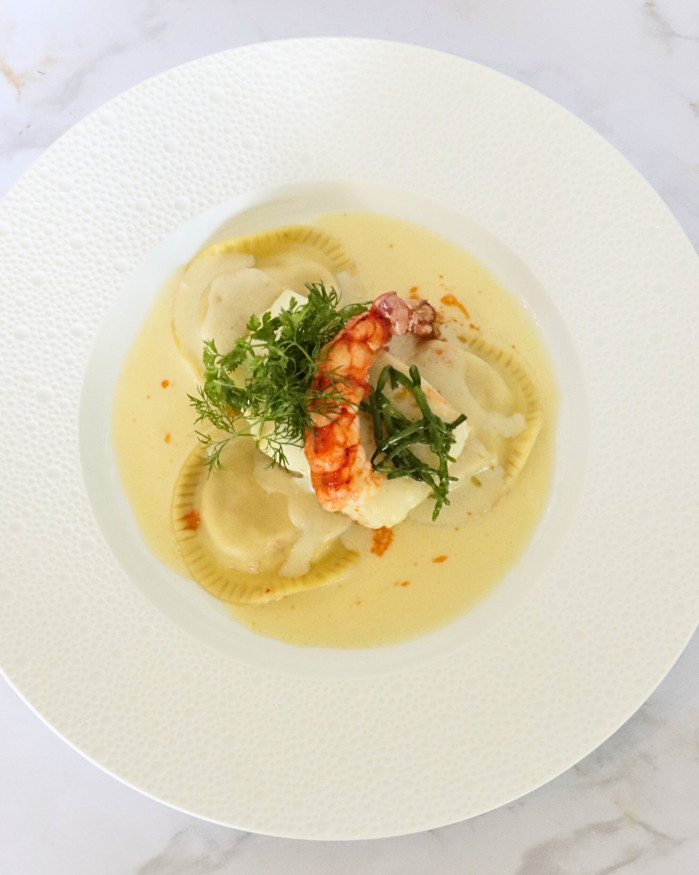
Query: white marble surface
631	70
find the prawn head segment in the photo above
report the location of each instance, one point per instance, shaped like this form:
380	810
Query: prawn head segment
341	474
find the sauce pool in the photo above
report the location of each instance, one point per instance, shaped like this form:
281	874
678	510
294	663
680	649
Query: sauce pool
415	577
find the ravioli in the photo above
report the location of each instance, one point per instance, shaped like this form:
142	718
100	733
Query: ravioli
250	533
249	273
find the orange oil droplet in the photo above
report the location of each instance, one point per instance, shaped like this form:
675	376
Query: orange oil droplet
381	540
192	520
451	301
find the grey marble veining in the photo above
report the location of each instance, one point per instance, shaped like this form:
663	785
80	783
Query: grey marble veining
631	70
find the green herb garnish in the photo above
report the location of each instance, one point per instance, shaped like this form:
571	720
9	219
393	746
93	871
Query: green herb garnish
396	436
265	380
262	389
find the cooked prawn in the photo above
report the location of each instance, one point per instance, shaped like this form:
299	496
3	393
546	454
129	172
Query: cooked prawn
340	471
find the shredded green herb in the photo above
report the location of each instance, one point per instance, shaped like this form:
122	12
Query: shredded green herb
396	436
265	380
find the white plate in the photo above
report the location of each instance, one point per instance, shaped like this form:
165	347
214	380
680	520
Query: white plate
318	749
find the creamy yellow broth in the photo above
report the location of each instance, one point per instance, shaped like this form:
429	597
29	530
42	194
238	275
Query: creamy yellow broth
430	572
